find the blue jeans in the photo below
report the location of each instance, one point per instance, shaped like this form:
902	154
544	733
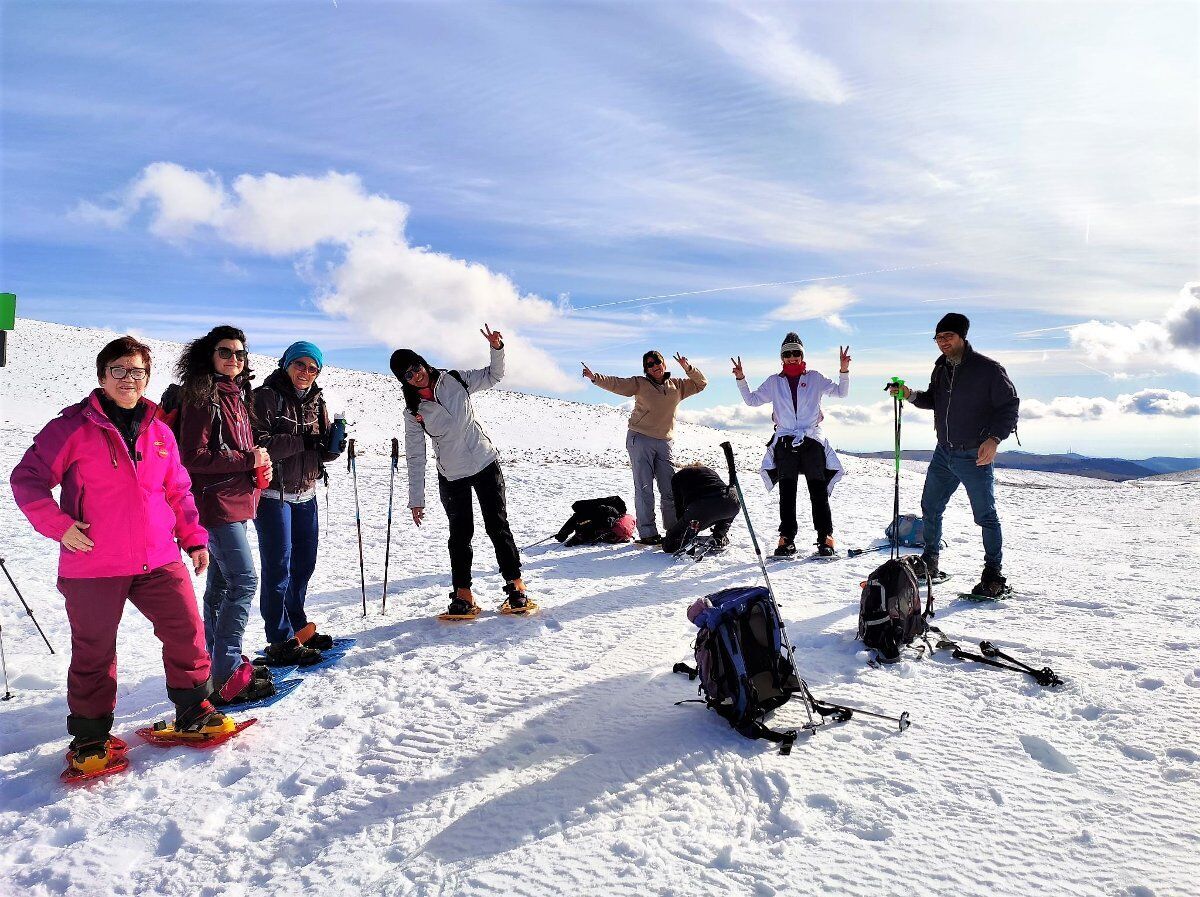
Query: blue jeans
948	468
287	545
231	583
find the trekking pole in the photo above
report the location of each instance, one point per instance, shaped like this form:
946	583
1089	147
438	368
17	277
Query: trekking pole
733	479
25	604
855	552
1044	676
843	712
538	542
387	552
897	416
4	663
353	469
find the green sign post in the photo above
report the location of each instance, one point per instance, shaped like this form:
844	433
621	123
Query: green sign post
8	321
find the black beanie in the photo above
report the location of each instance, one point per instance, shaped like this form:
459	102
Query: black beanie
403	359
953	323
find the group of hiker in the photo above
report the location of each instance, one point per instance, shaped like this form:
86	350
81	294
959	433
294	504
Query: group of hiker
141	482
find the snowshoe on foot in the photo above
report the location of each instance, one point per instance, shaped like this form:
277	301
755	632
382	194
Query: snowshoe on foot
290	654
92	759
462	607
310	638
201	720
255	690
236	683
786	547
262	672
825	547
991	584
517	601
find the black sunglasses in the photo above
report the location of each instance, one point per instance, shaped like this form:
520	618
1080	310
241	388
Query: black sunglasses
412	372
225	353
790	353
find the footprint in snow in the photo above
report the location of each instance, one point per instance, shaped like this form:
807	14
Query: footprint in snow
1047	754
1150	684
1183	754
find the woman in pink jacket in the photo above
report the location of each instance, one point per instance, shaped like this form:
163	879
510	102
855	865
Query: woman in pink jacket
125	512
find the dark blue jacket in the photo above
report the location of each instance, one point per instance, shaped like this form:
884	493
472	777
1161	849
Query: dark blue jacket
971	401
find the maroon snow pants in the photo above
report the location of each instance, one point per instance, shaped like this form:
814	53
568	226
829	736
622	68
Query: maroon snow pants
94	606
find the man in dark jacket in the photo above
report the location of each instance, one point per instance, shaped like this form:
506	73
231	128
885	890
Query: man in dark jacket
975	408
701	498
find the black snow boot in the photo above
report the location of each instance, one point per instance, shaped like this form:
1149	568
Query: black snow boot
991	584
786	547
291	653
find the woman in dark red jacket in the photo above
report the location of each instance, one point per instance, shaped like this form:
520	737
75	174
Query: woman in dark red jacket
217	446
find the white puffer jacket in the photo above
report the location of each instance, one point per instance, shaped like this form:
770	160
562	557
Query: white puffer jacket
460	447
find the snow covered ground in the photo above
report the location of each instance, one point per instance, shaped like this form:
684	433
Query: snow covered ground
546	756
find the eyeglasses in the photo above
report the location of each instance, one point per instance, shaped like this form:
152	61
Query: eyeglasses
225	353
302	368
120	372
791	353
412	372
945	337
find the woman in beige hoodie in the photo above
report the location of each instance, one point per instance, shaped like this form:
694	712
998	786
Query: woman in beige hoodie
655	396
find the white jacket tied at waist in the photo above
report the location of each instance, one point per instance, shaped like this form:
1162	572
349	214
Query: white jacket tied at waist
798	420
460	447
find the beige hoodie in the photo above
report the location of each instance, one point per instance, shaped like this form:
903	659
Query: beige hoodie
654	404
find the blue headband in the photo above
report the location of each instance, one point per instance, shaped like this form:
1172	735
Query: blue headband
302	349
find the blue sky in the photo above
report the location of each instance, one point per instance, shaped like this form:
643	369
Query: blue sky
379	174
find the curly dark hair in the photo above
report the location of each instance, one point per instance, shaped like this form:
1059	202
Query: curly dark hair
195	371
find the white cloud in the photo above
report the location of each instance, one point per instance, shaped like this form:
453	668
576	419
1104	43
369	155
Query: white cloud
396	293
1146	402
817	302
729	417
767	47
1174	340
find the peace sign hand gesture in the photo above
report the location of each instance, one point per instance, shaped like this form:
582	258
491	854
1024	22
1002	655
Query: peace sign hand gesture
737	368
494	337
844	355
683	362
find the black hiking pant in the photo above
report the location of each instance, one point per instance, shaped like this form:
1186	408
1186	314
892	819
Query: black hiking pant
456	499
791	463
716	511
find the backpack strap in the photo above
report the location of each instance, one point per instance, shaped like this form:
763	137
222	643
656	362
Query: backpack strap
459	377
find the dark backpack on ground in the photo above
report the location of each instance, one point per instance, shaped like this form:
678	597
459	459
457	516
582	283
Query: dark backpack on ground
890	615
593	520
744	660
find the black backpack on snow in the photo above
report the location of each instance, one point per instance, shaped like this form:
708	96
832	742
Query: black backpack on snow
890	615
744	660
592	520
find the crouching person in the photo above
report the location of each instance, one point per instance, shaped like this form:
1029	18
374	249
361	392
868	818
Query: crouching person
125	512
702	500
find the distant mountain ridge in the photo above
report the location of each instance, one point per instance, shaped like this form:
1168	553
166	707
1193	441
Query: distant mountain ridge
1116	469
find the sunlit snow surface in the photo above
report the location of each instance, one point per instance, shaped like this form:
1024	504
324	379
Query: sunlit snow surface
546	756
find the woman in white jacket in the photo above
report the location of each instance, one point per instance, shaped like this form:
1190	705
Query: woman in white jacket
798	447
438	405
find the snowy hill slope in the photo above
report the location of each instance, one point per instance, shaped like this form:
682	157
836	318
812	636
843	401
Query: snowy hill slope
546	755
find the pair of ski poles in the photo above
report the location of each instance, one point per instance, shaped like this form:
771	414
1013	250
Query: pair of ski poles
897	419
352	468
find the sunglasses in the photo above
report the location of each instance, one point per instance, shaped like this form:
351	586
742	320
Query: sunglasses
412	372
791	354
303	368
225	353
120	372
945	337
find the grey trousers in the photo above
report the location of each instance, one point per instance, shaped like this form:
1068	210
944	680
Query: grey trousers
652	461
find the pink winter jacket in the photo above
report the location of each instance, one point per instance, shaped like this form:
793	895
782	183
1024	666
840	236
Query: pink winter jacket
140	515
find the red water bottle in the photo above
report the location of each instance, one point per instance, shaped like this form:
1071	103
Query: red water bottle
261	475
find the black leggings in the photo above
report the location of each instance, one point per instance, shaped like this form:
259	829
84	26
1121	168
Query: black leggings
716	511
791	463
456	499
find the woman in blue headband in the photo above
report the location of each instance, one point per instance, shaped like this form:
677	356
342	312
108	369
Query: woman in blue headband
292	423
